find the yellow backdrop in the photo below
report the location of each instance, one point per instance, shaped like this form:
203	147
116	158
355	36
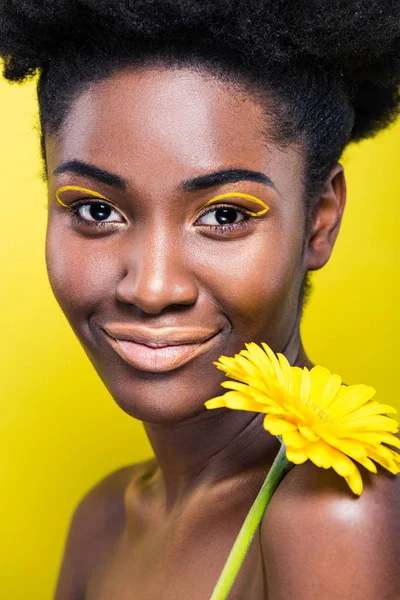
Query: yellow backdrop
60	429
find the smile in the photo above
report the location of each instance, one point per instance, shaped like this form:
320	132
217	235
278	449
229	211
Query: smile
158	358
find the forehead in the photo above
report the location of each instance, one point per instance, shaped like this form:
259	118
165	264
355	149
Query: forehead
175	123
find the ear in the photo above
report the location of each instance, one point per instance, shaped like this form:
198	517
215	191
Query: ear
327	218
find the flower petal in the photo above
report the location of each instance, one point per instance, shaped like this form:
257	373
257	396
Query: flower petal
377	438
286	371
259	358
294	439
305	385
236	385
374	423
297	456
217	402
277	426
319	378
368	464
342	463
355	482
351	398
253	394
347	469
297	376
308	433
348	446
304	414
369	409
239	402
330	391
274	361
385	461
321	454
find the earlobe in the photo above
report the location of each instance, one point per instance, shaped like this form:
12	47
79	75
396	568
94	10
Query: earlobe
327	219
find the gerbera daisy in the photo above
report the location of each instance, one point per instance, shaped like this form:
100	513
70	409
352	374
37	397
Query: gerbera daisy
315	415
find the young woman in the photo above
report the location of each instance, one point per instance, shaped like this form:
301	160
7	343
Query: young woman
191	152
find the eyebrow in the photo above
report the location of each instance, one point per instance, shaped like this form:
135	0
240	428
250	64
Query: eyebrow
226	176
202	182
86	170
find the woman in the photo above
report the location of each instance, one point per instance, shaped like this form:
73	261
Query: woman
149	113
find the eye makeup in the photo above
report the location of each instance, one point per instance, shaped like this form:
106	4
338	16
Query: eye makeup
79	189
215	199
241	195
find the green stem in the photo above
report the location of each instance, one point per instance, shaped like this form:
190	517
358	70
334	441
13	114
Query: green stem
278	470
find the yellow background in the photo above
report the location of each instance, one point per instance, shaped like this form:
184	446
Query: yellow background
60	430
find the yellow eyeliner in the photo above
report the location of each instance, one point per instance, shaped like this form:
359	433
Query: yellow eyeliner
215	199
241	195
80	189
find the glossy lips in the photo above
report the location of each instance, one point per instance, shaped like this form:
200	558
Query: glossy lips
158	350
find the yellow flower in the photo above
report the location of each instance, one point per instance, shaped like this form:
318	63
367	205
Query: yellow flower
316	416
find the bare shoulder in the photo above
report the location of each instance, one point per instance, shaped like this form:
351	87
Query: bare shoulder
318	537
96	522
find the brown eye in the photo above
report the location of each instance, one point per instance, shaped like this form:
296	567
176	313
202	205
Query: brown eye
94	213
223	215
97	211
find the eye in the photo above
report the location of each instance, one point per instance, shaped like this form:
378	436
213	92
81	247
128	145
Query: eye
223	215
93	213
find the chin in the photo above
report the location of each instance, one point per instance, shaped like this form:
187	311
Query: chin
163	397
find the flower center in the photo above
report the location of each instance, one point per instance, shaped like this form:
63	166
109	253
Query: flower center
323	414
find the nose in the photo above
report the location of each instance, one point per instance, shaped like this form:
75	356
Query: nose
156	274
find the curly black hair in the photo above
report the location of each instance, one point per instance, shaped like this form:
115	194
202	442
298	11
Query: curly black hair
327	70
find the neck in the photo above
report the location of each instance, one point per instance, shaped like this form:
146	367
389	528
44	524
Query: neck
215	444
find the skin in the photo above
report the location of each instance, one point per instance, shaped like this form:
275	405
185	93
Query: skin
168	524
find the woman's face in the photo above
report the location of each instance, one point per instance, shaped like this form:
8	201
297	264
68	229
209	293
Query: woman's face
165	265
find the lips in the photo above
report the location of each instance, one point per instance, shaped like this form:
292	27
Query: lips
158	350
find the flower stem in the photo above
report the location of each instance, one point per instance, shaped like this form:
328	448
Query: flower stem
278	470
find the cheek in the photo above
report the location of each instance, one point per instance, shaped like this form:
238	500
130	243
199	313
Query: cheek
257	279
80	271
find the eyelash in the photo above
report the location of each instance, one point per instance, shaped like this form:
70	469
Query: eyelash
73	209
